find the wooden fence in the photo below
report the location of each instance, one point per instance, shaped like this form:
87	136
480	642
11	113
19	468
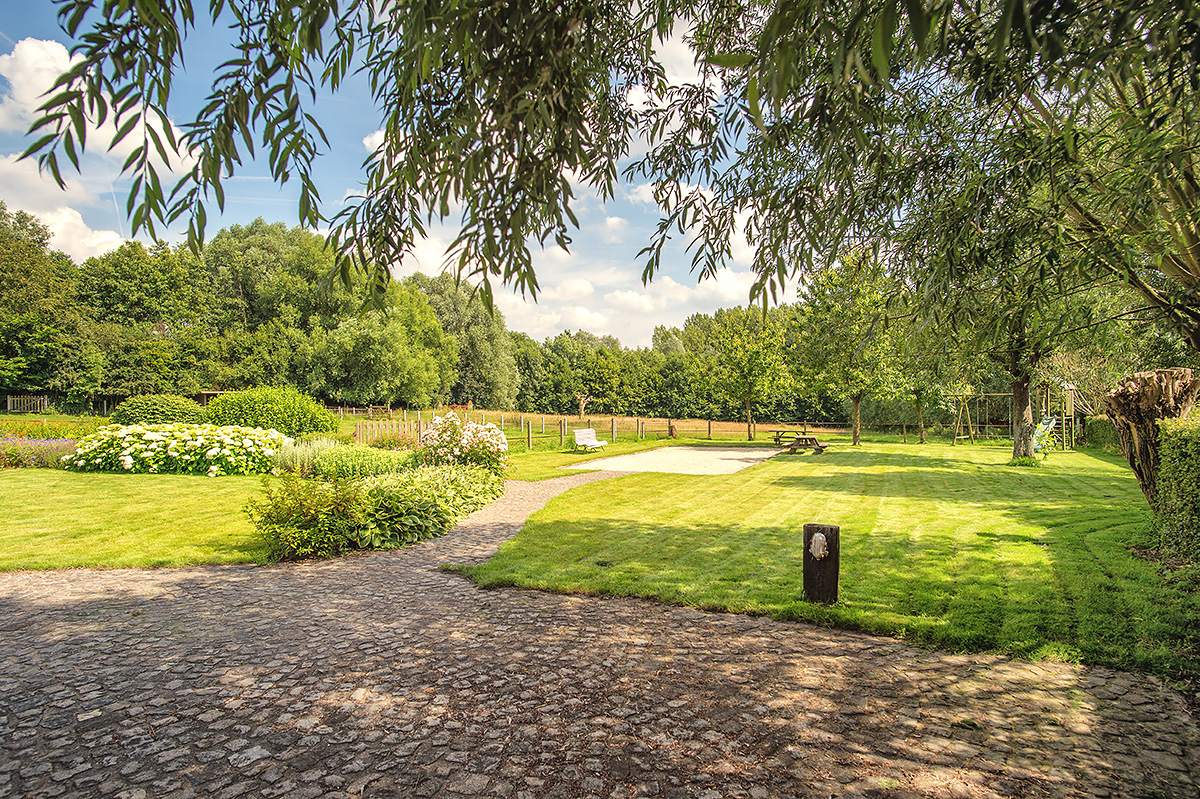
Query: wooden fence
27	404
532	431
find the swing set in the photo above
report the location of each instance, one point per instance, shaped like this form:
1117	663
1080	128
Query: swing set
994	416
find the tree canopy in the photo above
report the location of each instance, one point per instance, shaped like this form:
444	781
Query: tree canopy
812	122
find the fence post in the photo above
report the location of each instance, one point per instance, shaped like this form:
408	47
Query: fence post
710	429
614	429
562	432
543	425
529	437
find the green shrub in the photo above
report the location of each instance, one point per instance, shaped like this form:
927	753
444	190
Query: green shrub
309	518
424	502
300	457
1098	431
281	408
360	461
394	441
323	518
1177	501
1024	460
158	409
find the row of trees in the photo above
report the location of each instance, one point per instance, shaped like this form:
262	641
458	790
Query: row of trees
247	312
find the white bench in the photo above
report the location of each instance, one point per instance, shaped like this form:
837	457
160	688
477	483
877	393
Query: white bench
586	439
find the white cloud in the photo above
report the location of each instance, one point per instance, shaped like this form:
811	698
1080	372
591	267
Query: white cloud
637	301
577	317
678	60
26	188
372	141
31	69
572	289
641	193
614	229
73	236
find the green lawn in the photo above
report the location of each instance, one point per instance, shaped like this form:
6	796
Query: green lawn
55	519
942	545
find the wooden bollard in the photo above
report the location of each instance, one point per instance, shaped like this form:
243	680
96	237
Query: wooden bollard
821	563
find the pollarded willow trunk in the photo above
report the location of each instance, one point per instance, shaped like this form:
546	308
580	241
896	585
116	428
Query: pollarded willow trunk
857	399
1136	406
1022	417
920	419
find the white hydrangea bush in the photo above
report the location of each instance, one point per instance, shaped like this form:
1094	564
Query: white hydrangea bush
178	449
452	440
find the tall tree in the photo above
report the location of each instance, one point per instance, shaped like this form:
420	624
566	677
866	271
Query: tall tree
486	371
839	342
743	355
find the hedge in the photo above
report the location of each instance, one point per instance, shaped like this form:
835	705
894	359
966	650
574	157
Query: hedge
1177	503
281	408
1099	432
158	409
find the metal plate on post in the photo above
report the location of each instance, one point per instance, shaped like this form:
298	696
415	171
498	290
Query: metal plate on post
821	573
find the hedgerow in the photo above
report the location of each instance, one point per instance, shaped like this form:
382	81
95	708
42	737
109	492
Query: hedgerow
359	461
1177	501
1099	432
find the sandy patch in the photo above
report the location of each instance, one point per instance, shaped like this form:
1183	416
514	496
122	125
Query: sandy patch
683	460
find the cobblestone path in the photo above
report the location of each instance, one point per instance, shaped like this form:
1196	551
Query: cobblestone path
381	675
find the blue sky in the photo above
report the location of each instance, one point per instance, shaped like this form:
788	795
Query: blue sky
596	287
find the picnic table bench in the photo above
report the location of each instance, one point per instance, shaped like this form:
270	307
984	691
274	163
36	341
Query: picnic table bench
795	441
586	439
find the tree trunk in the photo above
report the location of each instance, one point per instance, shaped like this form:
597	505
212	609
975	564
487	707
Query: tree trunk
857	434
1137	404
749	422
1022	417
920	421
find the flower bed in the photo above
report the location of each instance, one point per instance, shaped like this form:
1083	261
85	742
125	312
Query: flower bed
31	453
178	449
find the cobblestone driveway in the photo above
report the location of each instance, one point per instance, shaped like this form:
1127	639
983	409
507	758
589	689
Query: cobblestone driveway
380	675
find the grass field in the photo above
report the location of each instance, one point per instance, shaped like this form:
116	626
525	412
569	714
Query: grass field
942	545
55	519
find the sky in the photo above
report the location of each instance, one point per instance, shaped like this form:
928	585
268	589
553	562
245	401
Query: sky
596	286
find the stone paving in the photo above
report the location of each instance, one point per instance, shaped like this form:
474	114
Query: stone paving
382	675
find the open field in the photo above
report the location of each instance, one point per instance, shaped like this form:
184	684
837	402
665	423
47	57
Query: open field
55	519
942	545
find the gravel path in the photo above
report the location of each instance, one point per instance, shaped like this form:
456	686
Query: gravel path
683	460
382	675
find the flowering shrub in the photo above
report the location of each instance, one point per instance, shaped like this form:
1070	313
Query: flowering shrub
450	440
32	453
178	449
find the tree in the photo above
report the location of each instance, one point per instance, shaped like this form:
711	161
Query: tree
839	341
486	371
135	286
743	353
401	357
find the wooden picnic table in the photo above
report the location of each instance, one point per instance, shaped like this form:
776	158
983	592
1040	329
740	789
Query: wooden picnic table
796	440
